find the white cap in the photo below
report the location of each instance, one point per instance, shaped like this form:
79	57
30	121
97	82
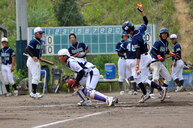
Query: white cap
173	36
63	52
4	39
38	30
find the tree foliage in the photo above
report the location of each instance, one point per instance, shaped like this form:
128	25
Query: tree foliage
68	13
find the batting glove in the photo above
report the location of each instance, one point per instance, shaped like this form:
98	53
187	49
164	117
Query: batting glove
176	56
140	7
160	58
137	71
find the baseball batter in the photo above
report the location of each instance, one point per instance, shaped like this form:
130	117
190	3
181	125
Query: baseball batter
7	67
78	49
178	64
34	49
143	58
122	61
130	51
86	70
158	51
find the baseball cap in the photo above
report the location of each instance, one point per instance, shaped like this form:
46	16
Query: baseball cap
4	39
173	36
38	30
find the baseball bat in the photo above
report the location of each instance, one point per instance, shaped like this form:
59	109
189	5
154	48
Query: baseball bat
157	60
43	60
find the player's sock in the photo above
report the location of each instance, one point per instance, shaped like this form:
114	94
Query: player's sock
95	94
121	86
34	88
165	85
154	85
141	85
151	90
7	88
14	86
134	87
181	82
177	82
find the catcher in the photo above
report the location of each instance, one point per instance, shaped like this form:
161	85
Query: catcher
88	74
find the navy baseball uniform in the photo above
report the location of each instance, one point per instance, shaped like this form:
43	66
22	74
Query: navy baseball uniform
6	54
78	47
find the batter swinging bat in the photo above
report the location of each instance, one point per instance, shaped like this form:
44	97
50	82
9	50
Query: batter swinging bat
157	60
43	60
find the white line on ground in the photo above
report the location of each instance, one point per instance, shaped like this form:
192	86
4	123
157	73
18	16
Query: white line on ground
72	119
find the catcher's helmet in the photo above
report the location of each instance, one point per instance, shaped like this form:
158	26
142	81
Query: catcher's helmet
124	33
164	30
63	52
128	27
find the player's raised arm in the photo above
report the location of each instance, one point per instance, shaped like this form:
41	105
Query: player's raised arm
140	8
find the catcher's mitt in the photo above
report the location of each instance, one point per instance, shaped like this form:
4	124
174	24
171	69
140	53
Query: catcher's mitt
70	83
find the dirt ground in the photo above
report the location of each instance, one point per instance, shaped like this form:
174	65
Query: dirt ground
61	111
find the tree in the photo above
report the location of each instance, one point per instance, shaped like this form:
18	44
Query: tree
68	13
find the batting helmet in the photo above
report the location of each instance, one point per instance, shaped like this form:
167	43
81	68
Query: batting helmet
4	39
128	27
70	83
124	33
63	52
164	30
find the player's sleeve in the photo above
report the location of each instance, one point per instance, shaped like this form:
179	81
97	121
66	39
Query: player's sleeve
155	48
32	44
70	51
117	47
12	53
85	46
78	69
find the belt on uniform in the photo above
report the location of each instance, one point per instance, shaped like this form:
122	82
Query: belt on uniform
5	64
146	53
122	57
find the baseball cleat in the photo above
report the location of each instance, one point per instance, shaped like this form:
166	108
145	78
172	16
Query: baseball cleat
109	101
121	92
115	100
179	89
8	94
84	103
36	95
135	93
15	93
144	98
163	93
152	96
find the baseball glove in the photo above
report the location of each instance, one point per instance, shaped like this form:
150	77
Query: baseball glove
70	83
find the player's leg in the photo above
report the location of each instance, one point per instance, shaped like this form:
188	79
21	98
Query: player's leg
134	84
5	79
92	80
34	68
180	64
175	72
166	75
121	71
128	75
11	81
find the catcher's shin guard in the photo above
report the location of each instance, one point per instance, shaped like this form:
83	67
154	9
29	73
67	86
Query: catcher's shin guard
95	94
81	94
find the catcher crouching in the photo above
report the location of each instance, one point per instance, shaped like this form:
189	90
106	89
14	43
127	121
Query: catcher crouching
87	74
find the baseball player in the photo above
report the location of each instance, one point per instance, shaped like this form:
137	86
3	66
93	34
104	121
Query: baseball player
130	51
7	67
78	49
178	64
158	51
121	61
34	49
143	58
88	71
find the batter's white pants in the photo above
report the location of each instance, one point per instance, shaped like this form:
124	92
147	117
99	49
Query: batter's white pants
122	69
159	69
177	71
143	77
7	74
130	67
34	70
